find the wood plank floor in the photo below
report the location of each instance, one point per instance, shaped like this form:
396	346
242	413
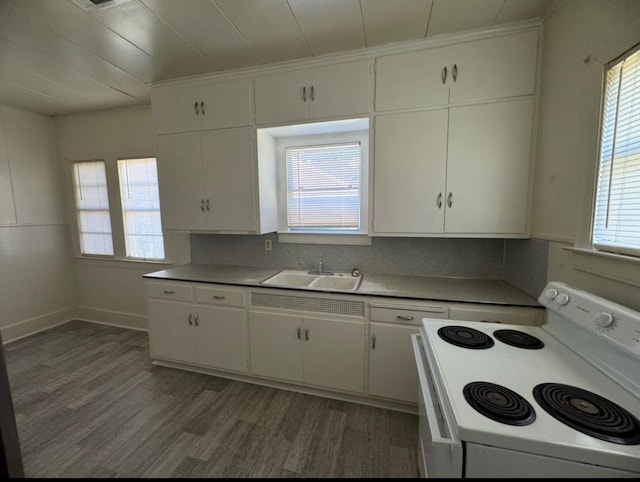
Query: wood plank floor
89	403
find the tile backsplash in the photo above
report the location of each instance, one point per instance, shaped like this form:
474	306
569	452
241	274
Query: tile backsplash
464	258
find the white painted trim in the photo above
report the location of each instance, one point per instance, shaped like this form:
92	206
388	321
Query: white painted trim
113	318
110	262
361	399
617	267
370	52
25	328
360	239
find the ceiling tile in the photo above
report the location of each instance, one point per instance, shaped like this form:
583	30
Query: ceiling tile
518	10
386	21
268	26
455	15
330	25
208	30
143	28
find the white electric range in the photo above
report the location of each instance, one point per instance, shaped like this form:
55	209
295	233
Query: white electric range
558	400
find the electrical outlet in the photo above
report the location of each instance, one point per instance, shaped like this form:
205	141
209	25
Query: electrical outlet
267	245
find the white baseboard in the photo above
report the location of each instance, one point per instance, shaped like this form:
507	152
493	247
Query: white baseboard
113	318
34	325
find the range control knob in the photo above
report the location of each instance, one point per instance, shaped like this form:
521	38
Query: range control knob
562	299
551	293
603	320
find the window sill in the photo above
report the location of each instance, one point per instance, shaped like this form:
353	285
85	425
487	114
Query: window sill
119	262
618	267
324	238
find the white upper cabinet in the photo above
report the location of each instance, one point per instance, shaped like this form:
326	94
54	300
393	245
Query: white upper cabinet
185	108
314	93
477	70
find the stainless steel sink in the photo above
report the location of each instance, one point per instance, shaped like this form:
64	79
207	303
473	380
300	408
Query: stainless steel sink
291	278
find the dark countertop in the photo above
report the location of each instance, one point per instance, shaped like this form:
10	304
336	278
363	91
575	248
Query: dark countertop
373	284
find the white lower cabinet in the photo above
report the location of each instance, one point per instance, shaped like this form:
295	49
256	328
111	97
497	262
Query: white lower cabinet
316	351
171	334
221	338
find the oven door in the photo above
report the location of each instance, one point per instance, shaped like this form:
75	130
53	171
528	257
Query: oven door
441	450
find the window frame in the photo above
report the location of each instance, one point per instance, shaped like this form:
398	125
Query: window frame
612	250
323	235
115	213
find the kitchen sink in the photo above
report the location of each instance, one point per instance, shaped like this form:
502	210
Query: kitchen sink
302	279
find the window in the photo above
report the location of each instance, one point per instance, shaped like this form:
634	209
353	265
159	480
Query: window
323	187
616	224
141	208
92	205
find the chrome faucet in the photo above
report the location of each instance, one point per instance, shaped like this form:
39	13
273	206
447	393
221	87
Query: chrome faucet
320	269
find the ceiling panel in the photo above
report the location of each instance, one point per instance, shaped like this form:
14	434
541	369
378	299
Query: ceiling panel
455	15
330	25
386	21
516	10
207	29
17	96
143	28
268	26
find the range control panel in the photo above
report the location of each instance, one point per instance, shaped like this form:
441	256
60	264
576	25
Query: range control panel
617	323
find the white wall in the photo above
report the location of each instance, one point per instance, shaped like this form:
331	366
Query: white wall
110	290
36	286
580	38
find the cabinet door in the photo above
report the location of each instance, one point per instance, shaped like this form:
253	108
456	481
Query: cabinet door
276	349
414	79
229	180
494	68
488	168
339	90
392	367
7	208
170	334
221	338
280	97
174	109
409	172
180	182
226	104
334	354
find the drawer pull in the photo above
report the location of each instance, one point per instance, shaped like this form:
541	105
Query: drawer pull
299	334
401	317
216	297
190	319
169	292
373	342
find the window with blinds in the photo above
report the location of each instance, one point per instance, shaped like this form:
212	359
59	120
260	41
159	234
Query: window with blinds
141	208
617	207
323	187
92	208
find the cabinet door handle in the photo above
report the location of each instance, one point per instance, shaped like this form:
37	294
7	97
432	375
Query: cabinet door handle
219	297
312	96
444	74
190	318
450	199
169	292
202	107
306	334
195	106
373	342
454	72
208	206
196	318
407	318
299	334
202	205
304	93
439	200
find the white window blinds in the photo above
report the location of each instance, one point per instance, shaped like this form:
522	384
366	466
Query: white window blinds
323	187
92	204
617	207
141	208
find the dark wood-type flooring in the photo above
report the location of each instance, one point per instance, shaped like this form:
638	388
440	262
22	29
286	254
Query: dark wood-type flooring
89	403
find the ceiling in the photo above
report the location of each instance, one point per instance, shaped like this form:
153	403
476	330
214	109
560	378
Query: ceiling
57	58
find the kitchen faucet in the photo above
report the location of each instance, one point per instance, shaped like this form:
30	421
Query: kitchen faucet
320	269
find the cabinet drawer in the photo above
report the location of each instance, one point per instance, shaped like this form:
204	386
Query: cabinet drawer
170	291
403	315
220	296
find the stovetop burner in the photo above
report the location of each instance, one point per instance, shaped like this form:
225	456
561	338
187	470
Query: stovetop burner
519	339
588	413
465	337
499	403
